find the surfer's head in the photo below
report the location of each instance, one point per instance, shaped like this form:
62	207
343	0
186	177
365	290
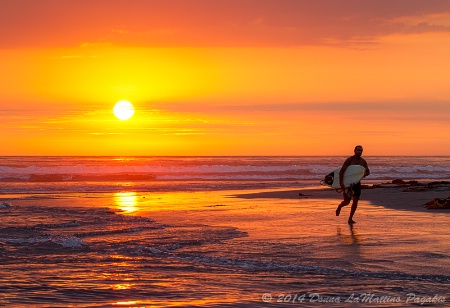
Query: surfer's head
358	150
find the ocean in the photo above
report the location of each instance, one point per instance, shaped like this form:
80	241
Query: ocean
109	174
174	232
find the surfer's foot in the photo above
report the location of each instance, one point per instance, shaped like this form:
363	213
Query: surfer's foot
338	210
351	221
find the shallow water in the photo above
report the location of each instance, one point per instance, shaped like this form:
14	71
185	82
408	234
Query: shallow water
216	249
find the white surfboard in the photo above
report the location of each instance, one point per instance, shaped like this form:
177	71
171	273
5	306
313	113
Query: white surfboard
352	175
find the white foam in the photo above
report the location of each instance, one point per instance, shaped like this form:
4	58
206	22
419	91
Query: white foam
68	241
65	241
4	205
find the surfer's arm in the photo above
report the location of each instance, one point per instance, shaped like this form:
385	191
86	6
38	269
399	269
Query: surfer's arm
341	173
367	169
341	176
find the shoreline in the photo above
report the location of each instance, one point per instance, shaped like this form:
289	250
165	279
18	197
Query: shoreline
398	195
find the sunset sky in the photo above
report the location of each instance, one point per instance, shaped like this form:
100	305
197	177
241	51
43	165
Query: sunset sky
225	77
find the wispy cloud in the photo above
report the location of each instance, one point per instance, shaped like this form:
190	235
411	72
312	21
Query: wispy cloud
52	23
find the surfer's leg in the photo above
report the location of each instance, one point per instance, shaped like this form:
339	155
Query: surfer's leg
356	195
353	210
343	203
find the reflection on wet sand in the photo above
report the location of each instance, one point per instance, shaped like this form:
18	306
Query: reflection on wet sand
352	239
126	201
351	244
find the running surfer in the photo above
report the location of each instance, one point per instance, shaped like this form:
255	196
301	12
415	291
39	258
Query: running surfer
355	190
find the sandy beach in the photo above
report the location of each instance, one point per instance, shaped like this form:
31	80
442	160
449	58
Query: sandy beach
394	196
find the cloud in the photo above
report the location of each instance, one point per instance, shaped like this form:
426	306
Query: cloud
55	23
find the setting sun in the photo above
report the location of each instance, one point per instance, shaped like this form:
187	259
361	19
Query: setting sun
123	110
224	78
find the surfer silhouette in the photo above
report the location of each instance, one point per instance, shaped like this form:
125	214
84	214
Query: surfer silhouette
355	190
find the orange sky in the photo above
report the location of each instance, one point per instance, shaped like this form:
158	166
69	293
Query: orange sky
225	77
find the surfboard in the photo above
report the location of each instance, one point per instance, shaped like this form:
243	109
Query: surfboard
352	175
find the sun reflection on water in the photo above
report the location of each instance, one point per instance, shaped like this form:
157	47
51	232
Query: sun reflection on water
122	286
125	303
126	201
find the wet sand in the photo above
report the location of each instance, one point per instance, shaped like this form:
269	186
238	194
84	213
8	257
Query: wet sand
232	248
397	247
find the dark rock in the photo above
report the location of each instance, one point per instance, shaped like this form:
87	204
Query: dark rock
398	181
437	183
438	203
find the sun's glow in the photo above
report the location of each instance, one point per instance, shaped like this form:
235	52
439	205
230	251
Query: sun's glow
123	110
